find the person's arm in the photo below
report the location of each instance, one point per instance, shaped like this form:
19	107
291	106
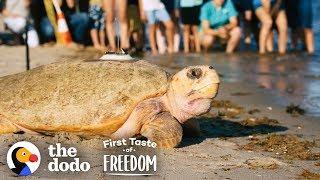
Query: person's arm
206	28
70	3
233	14
142	13
27	3
248	15
233	22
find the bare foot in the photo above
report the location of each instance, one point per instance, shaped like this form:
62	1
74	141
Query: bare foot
154	52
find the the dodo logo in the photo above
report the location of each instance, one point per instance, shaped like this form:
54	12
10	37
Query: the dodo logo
23	158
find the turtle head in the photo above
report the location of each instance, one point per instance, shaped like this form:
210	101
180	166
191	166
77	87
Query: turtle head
191	91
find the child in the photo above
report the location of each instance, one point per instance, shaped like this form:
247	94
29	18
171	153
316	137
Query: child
154	11
97	24
269	11
190	12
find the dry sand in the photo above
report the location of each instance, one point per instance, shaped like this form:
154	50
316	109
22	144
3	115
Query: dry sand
246	135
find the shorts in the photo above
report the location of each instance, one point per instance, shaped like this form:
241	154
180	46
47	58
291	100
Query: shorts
299	13
190	15
257	4
159	15
96	18
305	13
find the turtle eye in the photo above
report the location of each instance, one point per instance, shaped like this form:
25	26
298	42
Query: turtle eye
194	73
24	154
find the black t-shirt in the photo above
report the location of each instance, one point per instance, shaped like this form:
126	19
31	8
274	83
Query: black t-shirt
242	5
133	2
81	5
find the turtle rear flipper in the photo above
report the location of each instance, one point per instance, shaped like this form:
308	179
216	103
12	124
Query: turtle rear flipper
7	127
164	129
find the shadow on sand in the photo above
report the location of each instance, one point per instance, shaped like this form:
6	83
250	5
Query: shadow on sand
216	127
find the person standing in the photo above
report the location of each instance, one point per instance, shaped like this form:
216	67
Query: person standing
97	24
109	7
219	20
300	17
153	11
190	12
268	11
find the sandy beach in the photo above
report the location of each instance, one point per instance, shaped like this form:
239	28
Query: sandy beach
250	132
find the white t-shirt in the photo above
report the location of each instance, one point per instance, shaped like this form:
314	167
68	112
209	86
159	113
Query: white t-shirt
17	7
150	5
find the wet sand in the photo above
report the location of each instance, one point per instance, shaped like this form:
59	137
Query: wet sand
247	135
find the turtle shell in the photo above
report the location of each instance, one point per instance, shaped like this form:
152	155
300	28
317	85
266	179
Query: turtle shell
90	97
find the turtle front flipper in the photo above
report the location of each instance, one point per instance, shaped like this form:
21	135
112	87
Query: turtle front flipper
164	129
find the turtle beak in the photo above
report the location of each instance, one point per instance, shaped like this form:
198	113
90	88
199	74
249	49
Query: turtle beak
210	91
212	80
33	158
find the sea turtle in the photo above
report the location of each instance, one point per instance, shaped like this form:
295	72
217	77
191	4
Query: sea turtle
106	98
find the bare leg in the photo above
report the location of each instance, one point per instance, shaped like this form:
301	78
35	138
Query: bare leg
309	40
152	38
282	25
269	43
235	36
161	39
108	8
207	41
164	129
169	33
266	23
295	38
95	39
102	39
196	38
123	18
186	38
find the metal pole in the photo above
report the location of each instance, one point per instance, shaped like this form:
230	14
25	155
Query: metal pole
27	47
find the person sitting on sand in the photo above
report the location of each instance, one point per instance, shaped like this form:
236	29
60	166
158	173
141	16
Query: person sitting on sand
219	20
16	13
76	13
267	11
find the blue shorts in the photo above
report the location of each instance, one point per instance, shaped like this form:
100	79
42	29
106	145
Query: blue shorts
299	13
96	18
305	13
257	4
159	15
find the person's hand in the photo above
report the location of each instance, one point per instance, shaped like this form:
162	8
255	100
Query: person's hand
143	16
177	13
223	33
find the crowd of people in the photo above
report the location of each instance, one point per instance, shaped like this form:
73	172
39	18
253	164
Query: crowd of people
160	24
